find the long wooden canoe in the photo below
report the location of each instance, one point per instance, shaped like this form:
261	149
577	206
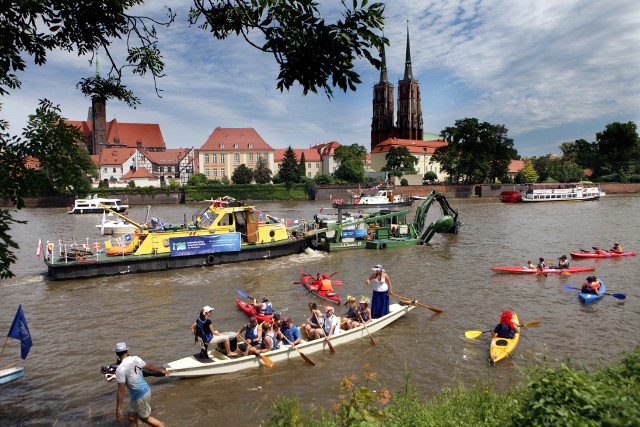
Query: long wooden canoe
221	364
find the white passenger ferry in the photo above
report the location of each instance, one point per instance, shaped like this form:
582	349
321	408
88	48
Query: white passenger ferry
556	192
92	205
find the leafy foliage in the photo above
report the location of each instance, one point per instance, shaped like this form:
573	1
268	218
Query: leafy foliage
242	175
323	179
303	166
399	161
351	163
197	178
430	176
563	170
527	173
262	174
316	54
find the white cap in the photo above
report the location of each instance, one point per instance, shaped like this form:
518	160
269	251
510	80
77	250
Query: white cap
207	309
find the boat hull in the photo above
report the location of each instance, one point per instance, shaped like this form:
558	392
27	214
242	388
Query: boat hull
372	205
601	255
503	347
588	298
516	269
250	310
221	364
10	374
307	281
101	265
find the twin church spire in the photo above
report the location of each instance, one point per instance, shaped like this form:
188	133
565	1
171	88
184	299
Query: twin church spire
408	123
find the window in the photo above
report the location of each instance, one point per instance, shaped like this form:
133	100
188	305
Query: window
250	145
215	173
214	158
114	169
222	172
236	158
116	140
221	145
308	165
317	165
105	170
169	168
251	158
235	145
206	158
309	174
206	171
221	158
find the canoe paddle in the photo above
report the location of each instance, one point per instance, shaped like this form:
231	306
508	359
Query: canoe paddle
270	363
243	295
304	356
619	296
475	334
333	350
413	301
366	329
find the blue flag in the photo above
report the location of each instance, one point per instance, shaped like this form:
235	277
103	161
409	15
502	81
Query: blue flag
20	331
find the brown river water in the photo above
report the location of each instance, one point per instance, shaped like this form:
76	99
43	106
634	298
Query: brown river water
75	324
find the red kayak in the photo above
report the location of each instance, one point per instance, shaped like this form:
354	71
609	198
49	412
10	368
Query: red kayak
605	254
308	282
250	310
547	270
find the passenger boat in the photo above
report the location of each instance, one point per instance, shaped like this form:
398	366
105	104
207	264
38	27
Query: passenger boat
219	363
250	310
116	227
382	229
547	270
605	254
588	298
216	235
96	204
557	192
502	347
308	282
384	198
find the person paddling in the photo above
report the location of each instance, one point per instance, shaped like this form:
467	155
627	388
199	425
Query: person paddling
506	328
616	248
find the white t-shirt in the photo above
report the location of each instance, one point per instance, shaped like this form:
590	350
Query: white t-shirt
379	285
330	322
130	372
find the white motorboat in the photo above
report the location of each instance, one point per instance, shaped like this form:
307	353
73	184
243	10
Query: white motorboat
219	363
116	227
384	198
95	205
557	192
10	374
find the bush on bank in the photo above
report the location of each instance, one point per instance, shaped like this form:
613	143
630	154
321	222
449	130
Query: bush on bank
247	192
567	395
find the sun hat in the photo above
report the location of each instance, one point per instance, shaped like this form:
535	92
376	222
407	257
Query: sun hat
120	347
328	308
207	309
377	267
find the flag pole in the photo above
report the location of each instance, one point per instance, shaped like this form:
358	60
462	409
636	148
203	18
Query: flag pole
4	345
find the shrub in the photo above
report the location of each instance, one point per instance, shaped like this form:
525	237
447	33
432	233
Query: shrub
404	182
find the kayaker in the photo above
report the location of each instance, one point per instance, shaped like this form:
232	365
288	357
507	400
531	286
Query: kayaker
263	308
616	248
541	264
325	285
531	265
290	330
591	286
563	262
381	284
313	322
506	328
129	375
205	334
598	250
252	333
351	316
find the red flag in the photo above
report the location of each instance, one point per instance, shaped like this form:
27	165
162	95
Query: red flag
39	250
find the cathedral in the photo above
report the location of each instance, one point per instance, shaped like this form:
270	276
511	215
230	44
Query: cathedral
408	123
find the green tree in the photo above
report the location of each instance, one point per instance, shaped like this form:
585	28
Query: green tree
400	161
173	184
619	148
131	184
541	165
350	159
242	175
475	152
262	174
197	179
564	170
527	173
303	167
323	179
430	176
289	169
581	152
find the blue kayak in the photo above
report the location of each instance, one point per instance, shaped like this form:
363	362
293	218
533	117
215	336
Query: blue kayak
588	298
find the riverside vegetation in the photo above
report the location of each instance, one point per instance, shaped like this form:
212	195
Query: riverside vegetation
566	395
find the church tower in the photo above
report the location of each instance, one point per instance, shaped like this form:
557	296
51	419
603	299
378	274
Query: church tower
98	126
382	123
409	123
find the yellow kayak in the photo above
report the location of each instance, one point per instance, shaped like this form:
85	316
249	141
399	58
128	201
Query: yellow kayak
502	347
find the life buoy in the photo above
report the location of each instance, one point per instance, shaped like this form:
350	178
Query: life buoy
369	235
211	259
272	233
356	201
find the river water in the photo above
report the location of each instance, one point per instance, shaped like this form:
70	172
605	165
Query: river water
75	324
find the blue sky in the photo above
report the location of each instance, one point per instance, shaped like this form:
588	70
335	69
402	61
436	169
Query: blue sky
550	71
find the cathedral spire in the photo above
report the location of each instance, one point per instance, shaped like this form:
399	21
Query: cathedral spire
408	73
383	68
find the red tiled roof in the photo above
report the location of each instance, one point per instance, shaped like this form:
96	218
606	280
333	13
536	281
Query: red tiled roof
170	156
128	134
95	159
414	146
226	139
327	148
516	166
115	156
310	154
138	173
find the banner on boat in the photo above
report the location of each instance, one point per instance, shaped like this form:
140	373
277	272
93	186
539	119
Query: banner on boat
208	244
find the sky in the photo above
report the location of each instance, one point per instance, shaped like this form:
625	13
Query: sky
550	71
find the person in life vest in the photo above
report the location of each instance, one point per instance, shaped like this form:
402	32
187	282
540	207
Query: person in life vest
264	307
598	250
204	334
616	248
351	316
541	264
325	285
563	262
252	333
506	328
269	342
591	286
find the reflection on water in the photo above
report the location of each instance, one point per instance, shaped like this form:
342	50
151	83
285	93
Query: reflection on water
75	324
